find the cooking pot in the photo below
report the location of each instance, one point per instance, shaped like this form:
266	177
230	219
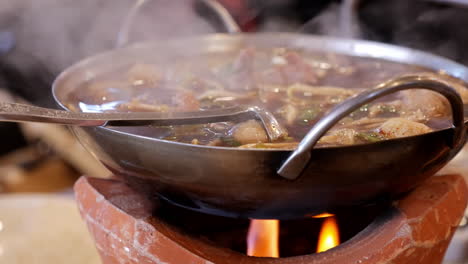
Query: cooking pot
267	183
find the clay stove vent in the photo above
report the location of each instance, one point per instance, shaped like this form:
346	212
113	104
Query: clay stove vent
263	236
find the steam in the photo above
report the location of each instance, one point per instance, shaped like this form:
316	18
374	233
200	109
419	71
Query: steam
433	27
325	23
58	33
61	32
424	25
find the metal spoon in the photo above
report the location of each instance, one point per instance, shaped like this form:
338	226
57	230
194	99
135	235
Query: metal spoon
15	112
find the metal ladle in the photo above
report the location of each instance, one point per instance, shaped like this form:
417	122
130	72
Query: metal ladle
15	112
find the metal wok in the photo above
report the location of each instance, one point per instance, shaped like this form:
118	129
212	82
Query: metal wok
245	182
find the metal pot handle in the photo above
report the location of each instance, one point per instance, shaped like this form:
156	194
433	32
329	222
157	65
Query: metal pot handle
217	9
299	159
222	14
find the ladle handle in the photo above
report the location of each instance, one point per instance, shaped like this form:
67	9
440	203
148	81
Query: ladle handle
299	159
14	112
213	6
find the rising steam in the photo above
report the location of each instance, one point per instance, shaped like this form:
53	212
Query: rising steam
60	32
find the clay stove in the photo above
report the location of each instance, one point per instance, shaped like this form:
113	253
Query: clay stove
127	228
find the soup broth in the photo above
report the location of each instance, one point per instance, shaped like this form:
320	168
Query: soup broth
296	87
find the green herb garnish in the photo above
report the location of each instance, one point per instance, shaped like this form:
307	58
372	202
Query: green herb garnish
230	142
308	115
369	136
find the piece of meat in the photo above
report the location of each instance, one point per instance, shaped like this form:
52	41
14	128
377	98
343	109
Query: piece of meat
293	69
459	86
248	132
215	143
297	70
431	104
240	75
163	100
344	136
453	82
362	124
200	85
186	101
135	105
463	91
401	127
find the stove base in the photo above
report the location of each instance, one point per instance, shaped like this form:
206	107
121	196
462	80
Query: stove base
417	229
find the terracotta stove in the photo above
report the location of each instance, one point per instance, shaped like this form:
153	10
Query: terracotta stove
128	228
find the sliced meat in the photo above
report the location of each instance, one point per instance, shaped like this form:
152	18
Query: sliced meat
297	70
185	101
249	132
136	105
457	84
401	127
239	76
293	69
463	91
344	136
431	104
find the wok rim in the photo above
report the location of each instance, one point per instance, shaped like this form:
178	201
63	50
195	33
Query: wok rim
341	46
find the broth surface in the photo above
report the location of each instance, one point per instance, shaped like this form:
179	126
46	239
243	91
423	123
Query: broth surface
297	87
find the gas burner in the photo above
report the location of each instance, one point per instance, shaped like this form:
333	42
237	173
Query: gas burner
128	228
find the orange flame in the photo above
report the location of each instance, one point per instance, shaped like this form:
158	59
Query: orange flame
262	238
329	236
324	215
